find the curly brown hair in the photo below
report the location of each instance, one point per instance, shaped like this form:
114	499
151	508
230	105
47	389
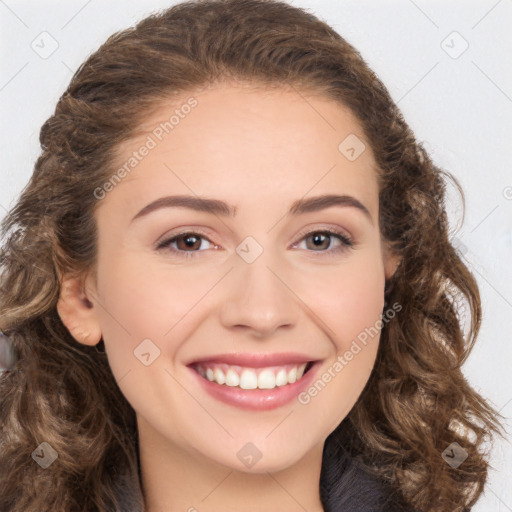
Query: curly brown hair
416	402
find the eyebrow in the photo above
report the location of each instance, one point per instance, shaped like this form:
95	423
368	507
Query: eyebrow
221	208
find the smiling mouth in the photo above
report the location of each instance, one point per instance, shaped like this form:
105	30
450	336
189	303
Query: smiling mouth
247	378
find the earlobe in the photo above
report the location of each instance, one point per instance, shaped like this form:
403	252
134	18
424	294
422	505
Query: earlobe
78	313
391	262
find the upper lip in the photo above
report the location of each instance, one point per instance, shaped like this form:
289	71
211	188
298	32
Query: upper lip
256	360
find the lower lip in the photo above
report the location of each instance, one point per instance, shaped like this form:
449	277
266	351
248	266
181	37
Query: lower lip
257	399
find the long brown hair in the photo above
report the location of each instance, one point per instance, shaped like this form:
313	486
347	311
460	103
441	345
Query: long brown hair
416	402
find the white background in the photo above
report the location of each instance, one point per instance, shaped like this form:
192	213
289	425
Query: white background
460	108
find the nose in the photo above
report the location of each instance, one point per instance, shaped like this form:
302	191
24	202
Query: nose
259	299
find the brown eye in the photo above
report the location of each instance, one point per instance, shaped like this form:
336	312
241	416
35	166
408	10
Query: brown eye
322	242
187	243
190	241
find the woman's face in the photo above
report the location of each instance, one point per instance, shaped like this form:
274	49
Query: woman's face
250	278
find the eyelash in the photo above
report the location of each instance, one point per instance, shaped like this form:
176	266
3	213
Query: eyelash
347	243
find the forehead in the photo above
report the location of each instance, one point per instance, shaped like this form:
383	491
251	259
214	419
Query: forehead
239	143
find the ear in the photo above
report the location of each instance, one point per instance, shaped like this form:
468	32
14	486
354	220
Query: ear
391	262
77	312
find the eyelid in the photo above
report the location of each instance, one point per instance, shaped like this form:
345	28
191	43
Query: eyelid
335	230
347	243
183	231
305	231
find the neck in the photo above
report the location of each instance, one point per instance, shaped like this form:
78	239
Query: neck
177	479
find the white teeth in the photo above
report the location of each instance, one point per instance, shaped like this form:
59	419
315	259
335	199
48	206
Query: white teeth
267	378
218	376
248	380
300	370
281	379
232	378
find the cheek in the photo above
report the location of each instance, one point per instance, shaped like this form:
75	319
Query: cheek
350	305
348	298
153	299
141	301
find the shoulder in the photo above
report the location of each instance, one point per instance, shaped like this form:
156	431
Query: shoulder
346	486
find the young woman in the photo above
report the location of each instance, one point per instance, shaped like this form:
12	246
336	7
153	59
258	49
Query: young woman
229	285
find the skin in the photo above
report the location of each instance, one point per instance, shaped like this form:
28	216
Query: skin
259	150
